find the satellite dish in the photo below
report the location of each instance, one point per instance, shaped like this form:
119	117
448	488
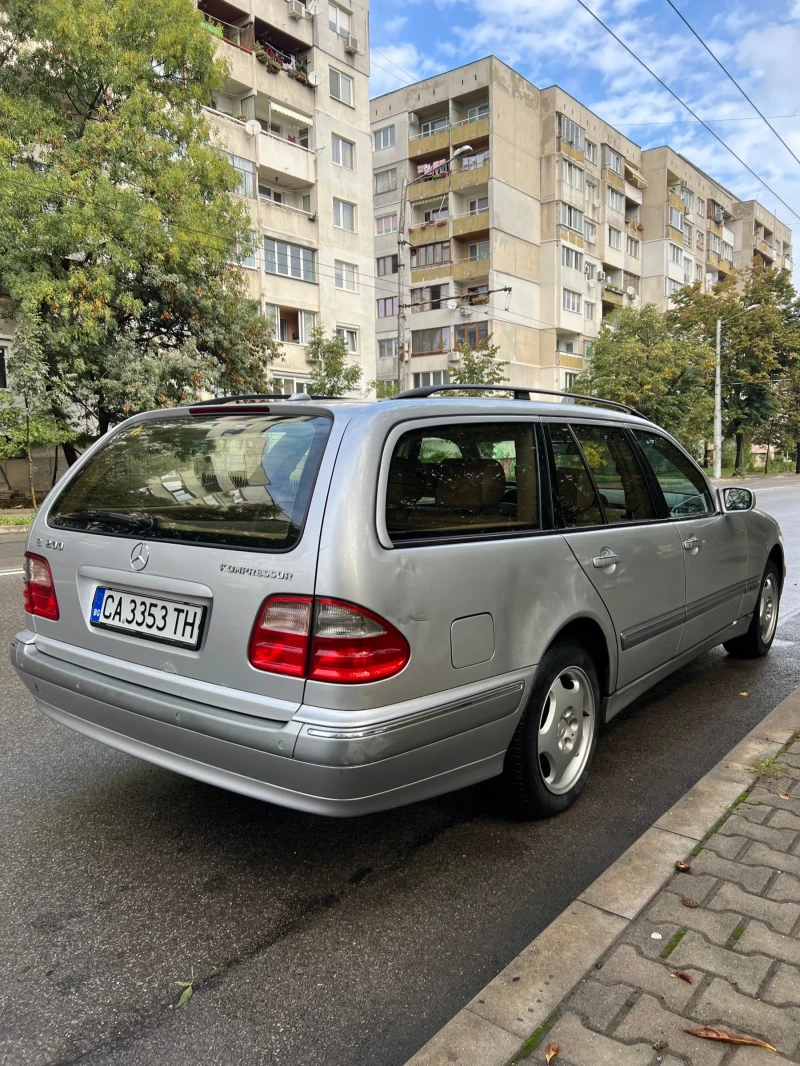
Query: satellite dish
253	127
314	78
631	291
452	305
312	9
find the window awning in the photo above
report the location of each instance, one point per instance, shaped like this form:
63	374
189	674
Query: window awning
295	118
634	177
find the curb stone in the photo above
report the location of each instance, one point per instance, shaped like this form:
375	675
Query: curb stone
512	1015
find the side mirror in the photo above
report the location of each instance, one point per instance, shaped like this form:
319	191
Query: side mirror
737	499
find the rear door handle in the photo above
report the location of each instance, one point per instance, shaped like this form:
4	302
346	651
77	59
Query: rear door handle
606	558
692	544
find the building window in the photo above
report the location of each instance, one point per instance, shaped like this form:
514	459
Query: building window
339	20
434	125
436	214
590	151
289	325
590	232
344	215
478	250
387	264
341	87
289	260
673	286
477	207
614	238
687	200
477	112
698	272
430	254
474	333
342	152
588	311
726	251
569	380
350	335
590	270
614	199
430	341
570	132
3	366
388	307
632	247
701	208
613	160
431	377
429	298
570	258
687	234
676	219
266	192
386	180
675	254
591	198
386	223
571	301
246	176
384	138
587	348
346	276
688	270
571	175
250	260
571	216
387	349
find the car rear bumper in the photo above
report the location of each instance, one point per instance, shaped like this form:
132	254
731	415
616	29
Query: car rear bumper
338	771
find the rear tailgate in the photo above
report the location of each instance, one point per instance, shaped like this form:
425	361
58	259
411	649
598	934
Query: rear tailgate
180	527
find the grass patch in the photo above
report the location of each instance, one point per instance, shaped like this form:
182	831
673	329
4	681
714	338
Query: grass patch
735	935
672	943
530	1044
15	520
740	800
769	768
696	849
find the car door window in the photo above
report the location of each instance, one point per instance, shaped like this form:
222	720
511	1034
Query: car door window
616	472
575	499
684	487
463	480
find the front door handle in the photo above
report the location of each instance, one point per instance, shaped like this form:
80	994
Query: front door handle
605	558
692	545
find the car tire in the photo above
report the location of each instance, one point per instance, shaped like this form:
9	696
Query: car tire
760	634
550	755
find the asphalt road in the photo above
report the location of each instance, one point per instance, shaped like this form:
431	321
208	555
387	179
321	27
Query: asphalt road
337	943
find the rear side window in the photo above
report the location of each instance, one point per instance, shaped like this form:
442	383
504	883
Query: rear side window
684	487
242	481
616	472
576	498
463	480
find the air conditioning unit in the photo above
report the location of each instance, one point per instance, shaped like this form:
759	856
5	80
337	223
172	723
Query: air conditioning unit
453	357
465	310
587	269
297	10
351	44
601	275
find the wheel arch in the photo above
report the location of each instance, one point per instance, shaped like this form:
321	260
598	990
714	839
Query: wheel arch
590	635
776	556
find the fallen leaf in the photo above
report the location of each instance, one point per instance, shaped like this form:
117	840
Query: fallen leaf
186	995
707	1033
683	976
689	902
784	795
550	1052
684	867
744	693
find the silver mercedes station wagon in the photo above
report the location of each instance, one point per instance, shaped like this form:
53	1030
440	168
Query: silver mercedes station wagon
345	606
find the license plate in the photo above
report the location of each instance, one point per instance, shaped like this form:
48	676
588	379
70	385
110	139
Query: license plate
146	616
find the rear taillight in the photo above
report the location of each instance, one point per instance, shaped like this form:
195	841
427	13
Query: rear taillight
326	640
39	592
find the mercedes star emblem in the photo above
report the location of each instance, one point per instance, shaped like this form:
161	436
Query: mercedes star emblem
140	556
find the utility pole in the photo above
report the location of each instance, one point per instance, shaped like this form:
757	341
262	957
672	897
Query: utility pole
718	404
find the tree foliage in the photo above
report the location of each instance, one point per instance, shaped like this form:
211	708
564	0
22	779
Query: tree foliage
117	226
479	366
331	372
638	360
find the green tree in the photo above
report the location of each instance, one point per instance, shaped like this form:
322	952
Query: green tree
639	361
117	223
479	366
760	339
331	373
384	389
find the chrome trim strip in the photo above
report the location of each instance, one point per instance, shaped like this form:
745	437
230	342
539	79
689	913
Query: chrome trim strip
363	732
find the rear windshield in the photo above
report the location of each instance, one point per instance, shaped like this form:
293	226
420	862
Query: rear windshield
242	481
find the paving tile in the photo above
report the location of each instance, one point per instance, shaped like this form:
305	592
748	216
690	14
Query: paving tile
784	986
626	965
762	855
754	812
639	933
726	846
467	1040
783	819
707	801
758	938
746	972
666	907
753	1056
598	1004
782	839
582	1047
767	796
721	1004
751	878
649	1021
785	887
696	886
781	916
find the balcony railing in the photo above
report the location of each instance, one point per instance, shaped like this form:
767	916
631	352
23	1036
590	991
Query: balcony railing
430	133
238	35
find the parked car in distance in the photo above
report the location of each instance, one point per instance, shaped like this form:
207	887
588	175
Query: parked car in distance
343	606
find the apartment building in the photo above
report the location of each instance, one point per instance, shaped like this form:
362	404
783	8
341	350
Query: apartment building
518	212
293	118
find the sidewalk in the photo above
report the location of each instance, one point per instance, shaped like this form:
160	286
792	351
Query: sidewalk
601	981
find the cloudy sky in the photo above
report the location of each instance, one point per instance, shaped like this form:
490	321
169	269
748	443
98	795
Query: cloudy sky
556	41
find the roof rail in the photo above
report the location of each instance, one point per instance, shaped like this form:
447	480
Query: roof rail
520	393
257	397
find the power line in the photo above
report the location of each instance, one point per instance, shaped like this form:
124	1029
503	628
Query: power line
735	82
380	66
691	122
388	60
683	103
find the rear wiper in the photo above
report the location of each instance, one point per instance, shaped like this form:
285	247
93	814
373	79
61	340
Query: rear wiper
139	523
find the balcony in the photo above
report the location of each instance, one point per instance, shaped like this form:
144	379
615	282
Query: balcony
287	159
765	248
632	193
427	144
787	262
713	260
613	295
282	220
468	224
466	179
724	266
467	269
616	181
277	17
468	132
427	232
430	273
433	187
